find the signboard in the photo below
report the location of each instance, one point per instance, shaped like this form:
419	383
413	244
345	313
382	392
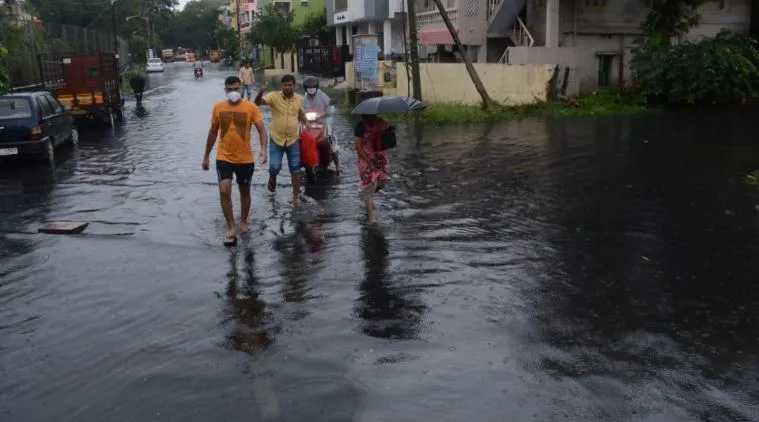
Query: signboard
365	52
342	17
368	57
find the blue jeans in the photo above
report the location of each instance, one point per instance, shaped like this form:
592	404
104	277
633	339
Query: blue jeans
276	153
245	91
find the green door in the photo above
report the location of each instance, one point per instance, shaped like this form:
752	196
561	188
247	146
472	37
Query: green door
604	70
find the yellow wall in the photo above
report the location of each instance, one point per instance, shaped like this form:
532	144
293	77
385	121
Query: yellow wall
278	70
384	66
450	82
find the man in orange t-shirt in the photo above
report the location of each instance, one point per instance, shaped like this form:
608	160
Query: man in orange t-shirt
231	121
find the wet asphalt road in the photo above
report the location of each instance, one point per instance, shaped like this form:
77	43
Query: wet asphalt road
587	270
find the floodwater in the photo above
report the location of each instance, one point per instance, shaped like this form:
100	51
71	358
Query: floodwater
541	270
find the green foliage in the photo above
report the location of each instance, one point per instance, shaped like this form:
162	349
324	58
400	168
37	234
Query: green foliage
227	40
275	28
22	43
138	46
671	18
5	81
609	102
720	70
193	27
95	14
316	26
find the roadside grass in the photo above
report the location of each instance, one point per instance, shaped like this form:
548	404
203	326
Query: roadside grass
608	102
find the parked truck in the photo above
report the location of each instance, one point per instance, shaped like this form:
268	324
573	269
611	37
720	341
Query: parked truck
167	54
88	86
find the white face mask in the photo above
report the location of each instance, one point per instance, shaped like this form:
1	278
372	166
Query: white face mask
234	96
311	91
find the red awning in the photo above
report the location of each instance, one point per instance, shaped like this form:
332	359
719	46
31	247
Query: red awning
436	36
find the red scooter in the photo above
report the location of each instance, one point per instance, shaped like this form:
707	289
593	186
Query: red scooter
324	143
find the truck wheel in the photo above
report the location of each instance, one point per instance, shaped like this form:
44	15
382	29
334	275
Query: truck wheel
111	117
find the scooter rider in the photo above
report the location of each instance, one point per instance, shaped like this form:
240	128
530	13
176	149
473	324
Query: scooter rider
198	68
316	99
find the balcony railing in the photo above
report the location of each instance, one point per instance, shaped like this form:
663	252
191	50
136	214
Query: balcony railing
493	8
521	37
434	18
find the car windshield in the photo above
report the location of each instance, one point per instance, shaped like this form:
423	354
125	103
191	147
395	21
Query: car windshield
15	108
154	61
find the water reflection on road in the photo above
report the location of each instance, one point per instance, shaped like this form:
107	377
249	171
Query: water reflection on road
575	269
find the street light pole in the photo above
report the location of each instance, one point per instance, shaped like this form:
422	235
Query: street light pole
239	32
413	53
113	24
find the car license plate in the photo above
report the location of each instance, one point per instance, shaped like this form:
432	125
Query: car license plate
8	151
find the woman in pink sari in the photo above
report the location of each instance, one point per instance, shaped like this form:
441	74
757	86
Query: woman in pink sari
372	163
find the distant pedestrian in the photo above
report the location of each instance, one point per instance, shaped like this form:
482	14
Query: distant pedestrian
137	83
247	78
372	163
231	121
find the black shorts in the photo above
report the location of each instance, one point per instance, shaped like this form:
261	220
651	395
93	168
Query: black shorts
243	173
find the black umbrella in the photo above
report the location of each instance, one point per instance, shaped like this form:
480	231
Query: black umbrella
388	105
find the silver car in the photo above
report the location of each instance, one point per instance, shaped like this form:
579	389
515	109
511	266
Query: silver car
154	65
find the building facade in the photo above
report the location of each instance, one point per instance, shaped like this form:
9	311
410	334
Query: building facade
593	38
384	18
301	9
248	10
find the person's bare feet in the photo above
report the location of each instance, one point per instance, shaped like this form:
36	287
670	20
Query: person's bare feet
231	238
244	227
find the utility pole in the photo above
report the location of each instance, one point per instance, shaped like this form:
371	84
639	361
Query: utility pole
467	62
239	32
413	52
113	25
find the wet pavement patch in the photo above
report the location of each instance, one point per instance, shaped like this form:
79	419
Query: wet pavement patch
63	227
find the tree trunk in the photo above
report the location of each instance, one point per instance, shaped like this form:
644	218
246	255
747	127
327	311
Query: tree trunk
467	62
413	53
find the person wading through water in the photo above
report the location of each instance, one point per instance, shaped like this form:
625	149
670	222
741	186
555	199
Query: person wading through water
247	78
286	112
231	121
372	163
137	83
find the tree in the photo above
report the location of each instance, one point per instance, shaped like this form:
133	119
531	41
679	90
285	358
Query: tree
194	27
5	81
670	19
227	40
275	29
316	26
95	14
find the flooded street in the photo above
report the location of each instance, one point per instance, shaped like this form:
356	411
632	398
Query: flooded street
541	270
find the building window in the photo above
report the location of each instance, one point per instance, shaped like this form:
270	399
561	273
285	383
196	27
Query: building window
427	6
538	4
282	6
341	5
594	3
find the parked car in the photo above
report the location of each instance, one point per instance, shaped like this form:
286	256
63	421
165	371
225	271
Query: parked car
34	124
154	65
